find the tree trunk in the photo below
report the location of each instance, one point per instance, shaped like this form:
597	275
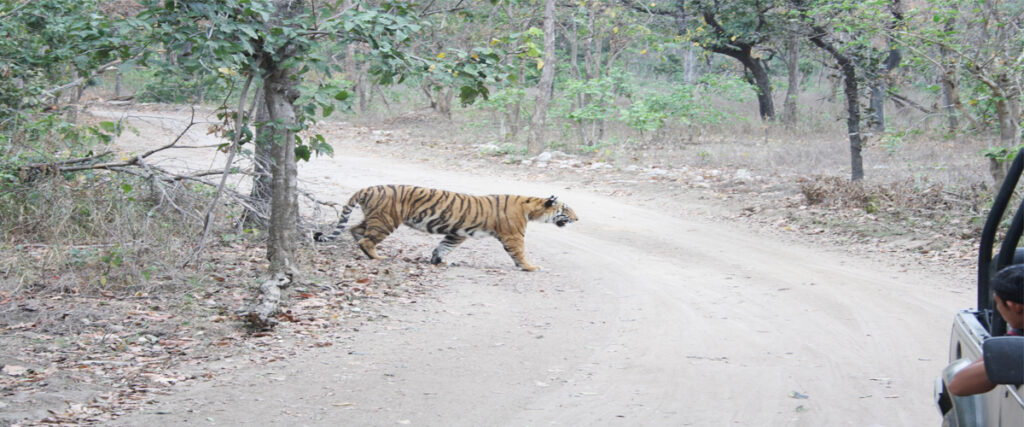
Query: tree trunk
546	85
950	98
444	102
1008	114
1008	111
878	89
765	104
261	183
948	82
850	89
280	93
876	108
690	65
880	84
743	52
793	73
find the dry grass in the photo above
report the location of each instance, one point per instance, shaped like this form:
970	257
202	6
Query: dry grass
816	145
88	234
935	200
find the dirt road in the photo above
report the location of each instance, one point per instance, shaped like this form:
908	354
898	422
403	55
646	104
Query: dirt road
640	316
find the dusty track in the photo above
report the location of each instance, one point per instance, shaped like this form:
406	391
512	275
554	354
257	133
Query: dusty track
640	316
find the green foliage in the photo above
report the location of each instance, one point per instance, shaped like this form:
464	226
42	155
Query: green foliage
504	100
1001	154
977	44
171	85
591	100
44	44
684	103
749	22
650	108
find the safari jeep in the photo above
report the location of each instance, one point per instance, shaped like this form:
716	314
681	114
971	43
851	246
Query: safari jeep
979	333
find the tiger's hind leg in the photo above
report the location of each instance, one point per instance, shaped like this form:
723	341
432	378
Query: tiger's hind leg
371	232
450	242
358	231
516	248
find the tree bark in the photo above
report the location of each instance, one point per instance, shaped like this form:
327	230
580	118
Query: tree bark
950	98
765	103
948	82
280	93
546	85
880	87
880	84
689	65
793	73
850	89
262	161
743	52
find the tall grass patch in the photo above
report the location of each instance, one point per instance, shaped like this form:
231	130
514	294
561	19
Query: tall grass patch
98	232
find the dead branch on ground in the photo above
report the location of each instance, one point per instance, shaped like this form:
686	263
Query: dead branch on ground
261	315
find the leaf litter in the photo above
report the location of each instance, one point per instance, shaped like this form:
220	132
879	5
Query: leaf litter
86	360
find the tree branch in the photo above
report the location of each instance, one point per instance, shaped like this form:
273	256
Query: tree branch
99	70
15	9
240	123
909	102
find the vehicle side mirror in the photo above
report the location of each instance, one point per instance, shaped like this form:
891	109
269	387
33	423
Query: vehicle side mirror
1004	360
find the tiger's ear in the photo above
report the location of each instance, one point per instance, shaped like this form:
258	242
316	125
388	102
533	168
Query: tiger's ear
550	201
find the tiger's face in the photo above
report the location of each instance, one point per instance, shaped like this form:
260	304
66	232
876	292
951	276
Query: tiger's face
557	212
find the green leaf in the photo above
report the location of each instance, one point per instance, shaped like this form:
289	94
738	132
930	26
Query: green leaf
302	152
109	127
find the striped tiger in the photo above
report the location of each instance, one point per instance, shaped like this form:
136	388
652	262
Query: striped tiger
455	215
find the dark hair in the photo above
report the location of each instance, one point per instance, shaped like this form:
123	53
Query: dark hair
1009	283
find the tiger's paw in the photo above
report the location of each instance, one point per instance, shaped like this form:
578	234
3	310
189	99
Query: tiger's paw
530	268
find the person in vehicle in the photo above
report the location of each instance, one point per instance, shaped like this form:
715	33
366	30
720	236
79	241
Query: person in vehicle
1008	287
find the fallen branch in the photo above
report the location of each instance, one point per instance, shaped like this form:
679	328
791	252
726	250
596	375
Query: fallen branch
261	316
75	165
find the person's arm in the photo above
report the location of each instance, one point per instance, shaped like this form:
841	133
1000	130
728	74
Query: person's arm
971	380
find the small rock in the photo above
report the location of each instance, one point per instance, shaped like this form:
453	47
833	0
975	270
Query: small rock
488	149
15	370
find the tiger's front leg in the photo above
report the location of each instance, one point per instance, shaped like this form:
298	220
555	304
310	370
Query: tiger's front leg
516	248
450	242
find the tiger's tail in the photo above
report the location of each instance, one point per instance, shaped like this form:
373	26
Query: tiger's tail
356	199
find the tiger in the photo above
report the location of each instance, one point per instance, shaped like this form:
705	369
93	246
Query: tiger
455	215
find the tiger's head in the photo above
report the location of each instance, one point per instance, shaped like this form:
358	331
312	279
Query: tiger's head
557	212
